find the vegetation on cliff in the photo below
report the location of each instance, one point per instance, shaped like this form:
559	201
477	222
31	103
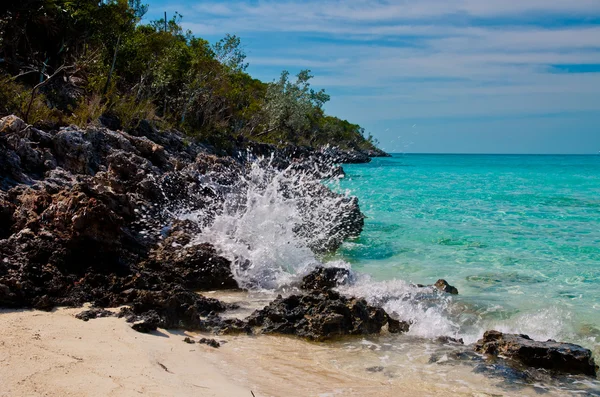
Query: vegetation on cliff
79	61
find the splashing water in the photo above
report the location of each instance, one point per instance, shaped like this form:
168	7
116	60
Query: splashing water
271	224
274	225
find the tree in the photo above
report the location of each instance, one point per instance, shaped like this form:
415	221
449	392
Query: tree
290	105
228	51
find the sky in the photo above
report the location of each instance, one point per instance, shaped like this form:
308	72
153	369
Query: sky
430	76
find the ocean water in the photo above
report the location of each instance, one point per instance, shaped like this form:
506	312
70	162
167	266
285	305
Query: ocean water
518	235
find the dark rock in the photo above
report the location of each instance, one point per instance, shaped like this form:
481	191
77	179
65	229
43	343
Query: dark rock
197	265
337	155
397	326
147	323
110	121
94	313
375	369
551	355
87	215
189	340
319	316
443	285
448	339
323	278
210	342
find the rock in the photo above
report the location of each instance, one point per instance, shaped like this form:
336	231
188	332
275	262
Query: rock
448	339
210	342
319	316
11	124
111	121
197	265
337	155
73	152
551	355
145	325
189	340
94	313
323	278
443	285
88	215
397	326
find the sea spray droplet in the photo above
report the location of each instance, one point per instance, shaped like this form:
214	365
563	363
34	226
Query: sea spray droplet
273	222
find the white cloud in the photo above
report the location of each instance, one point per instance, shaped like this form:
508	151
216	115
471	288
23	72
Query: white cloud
419	58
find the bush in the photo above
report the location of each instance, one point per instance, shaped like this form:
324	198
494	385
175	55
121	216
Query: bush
15	99
88	111
130	111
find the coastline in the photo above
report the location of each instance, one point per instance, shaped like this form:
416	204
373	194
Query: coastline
117	220
55	354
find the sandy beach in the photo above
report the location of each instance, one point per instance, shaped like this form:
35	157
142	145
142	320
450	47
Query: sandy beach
55	354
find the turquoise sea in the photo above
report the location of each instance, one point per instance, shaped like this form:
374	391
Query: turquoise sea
518	235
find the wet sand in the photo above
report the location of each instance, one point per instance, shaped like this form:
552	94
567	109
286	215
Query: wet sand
55	354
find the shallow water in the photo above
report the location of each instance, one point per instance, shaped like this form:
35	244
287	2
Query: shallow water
383	365
519	236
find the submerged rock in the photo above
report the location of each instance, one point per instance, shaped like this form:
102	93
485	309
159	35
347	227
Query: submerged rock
551	355
443	285
450	340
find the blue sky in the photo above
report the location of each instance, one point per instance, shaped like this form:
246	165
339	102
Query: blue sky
433	76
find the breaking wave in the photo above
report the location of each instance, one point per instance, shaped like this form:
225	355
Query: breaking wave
274	225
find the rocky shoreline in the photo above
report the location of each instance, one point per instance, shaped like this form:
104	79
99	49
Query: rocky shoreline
89	215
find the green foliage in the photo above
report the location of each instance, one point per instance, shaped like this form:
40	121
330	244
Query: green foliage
88	111
228	52
110	62
131	111
15	99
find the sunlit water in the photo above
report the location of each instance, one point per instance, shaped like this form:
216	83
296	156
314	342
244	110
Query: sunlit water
519	236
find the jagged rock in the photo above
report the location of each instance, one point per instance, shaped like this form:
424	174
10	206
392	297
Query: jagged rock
146	323
397	326
198	265
210	342
449	339
337	155
443	285
87	215
73	152
324	278
11	124
189	340
319	316
94	313
551	355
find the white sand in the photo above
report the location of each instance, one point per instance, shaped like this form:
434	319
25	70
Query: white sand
55	354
